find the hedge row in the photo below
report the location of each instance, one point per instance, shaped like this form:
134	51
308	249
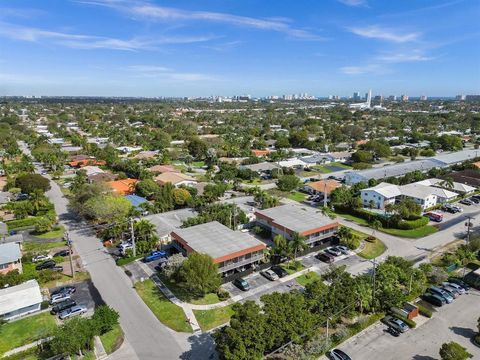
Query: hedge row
386	222
413	224
21	223
424	311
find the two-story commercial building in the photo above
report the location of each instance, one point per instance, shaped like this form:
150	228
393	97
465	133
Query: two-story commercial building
286	220
232	251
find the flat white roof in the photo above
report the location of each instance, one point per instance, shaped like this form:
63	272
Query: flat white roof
20	296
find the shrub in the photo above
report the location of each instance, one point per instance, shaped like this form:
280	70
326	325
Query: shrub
371	239
413	224
223	295
411	324
424	311
44	305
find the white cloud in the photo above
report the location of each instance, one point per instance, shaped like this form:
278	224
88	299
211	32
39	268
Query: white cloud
377	32
162	13
166	74
403	57
359	70
353	2
79	41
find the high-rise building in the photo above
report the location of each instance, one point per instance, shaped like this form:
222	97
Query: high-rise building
472	98
378	98
460	97
356	96
392	98
423	98
404	97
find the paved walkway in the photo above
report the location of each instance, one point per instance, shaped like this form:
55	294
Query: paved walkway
26	347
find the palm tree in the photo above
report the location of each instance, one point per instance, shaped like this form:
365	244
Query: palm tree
389	208
375	225
345	233
144	229
447	183
297	243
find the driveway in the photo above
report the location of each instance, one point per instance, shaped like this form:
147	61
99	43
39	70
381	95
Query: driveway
454	322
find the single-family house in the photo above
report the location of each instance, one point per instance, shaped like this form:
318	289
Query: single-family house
321	187
167	222
123	187
10	257
20	300
175	178
160	169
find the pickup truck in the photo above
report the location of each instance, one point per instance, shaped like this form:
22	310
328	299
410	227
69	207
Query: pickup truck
155	255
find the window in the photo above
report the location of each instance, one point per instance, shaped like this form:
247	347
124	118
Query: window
4	266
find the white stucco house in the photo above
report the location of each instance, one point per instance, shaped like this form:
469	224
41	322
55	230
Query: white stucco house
380	195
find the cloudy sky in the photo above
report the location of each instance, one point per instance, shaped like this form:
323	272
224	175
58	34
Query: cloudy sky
228	47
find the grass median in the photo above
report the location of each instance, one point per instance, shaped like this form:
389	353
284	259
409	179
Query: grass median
413	233
113	339
166	312
307	278
372	249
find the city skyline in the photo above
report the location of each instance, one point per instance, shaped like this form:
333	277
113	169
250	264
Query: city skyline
152	48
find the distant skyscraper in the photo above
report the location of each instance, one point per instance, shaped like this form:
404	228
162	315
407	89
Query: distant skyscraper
356	96
472	97
404	97
460	97
423	98
392	98
366	96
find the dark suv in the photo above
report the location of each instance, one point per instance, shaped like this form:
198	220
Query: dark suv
50	264
280	271
325	257
64	305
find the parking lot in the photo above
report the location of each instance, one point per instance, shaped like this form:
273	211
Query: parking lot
454	322
86	294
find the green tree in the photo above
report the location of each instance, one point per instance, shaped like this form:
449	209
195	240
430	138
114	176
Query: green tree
197	148
147	188
246	336
104	319
288	182
454	351
72	337
297	243
28	183
199	274
181	196
107	208
362	156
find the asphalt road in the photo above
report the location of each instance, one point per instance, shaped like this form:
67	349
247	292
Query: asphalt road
454	322
147	337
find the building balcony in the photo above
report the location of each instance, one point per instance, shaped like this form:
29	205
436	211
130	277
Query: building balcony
313	239
234	265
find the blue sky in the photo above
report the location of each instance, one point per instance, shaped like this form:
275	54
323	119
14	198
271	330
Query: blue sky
269	47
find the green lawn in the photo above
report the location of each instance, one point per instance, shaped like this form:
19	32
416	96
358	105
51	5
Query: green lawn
209	319
42	246
166	312
292	270
198	164
372	250
297	196
56	233
322	169
339	164
25	331
113	339
186	296
353	218
414	233
359	234
307	278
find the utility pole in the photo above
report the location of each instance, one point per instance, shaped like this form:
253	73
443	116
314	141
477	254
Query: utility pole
69	243
327	328
133	237
468	224
410	283
325	194
373	281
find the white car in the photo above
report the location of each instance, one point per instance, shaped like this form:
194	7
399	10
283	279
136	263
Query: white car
270	275
57	298
124	247
73	311
460	289
38	258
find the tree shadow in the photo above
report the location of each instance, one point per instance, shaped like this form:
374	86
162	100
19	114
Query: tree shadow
202	348
423	357
465	332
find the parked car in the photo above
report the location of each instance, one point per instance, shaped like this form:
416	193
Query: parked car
57	268
62	306
434	299
270	275
466	202
63	253
280	271
325	257
474	200
333	251
451	208
440	292
337	354
343	249
58	298
460	289
50	264
155	255
434	216
451	291
242	284
395	323
68	289
393	331
161	264
123	247
73	311
459	282
38	258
